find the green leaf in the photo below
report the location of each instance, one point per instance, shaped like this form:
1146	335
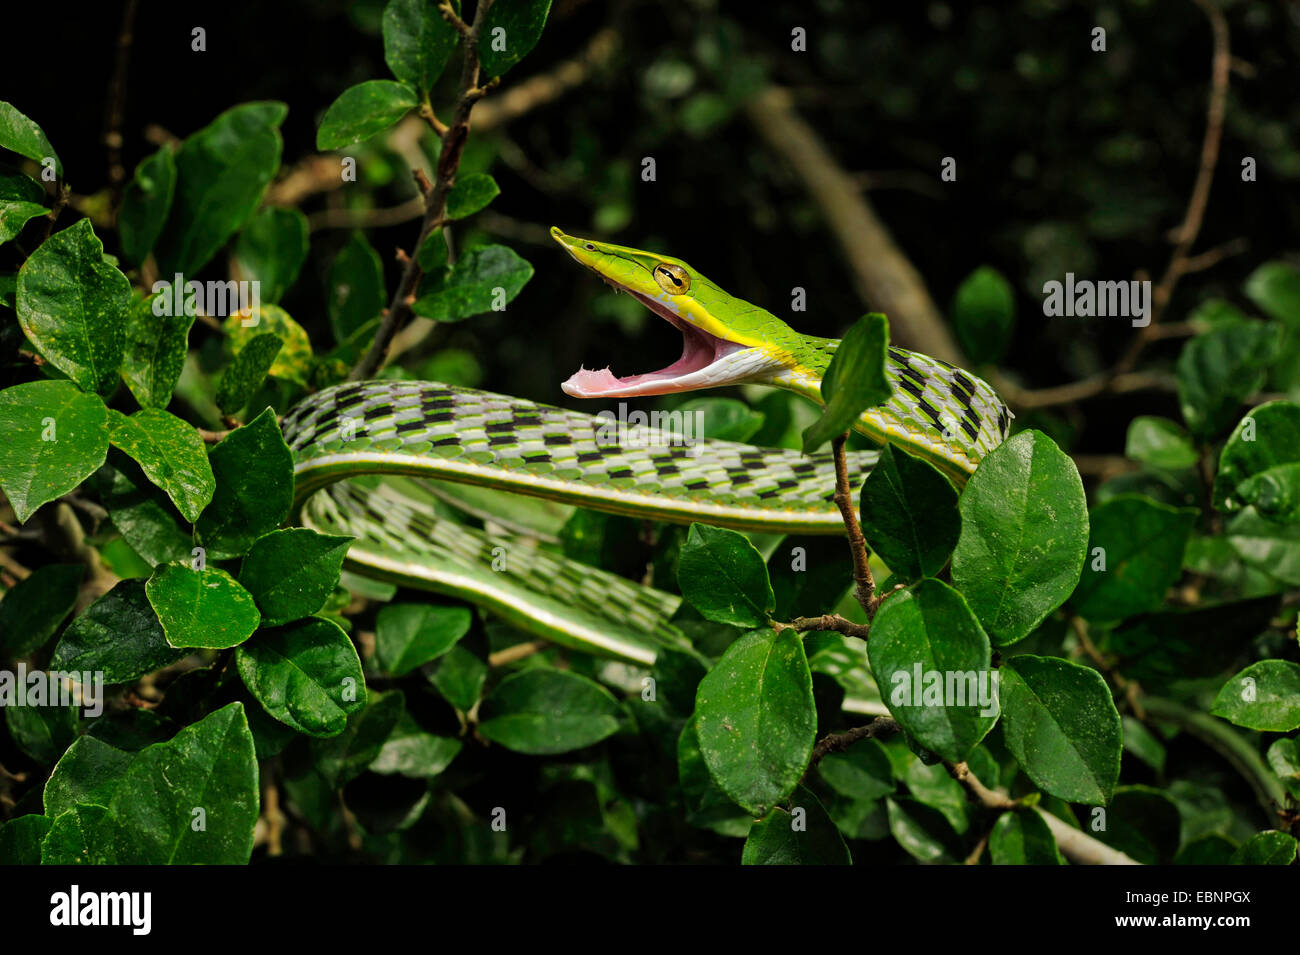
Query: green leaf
1022	838
146	202
32	610
471	194
171	454
723	576
1024	536
410	751
201	608
1266	848
155	350
307	675
1275	288
293	362
1060	723
81	836
707	806
460	677
56	436
291	572
118	634
854	381
1135	554
984	314
1143	823
208	770
72	305
1265	696
931	660
43	731
363	110
756	718
922	832
432	254
723	419
222	172
1218	370
909	514
1274	493
1142	743
19	134
254	471
356	286
342	758
417	41
1284	759
271	250
245	374
860	772
805	836
510	31
21	838
483	280
410	635
1159	442
21	200
89	772
543	711
931	784
142	514
1266	438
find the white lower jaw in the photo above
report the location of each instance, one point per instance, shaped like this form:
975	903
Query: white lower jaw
746	365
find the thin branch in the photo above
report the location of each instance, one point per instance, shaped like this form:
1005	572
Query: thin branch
1130	688
864	585
839	742
517	652
830	621
453	145
115	105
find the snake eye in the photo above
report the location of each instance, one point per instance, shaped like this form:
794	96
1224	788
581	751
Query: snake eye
589	247
673	279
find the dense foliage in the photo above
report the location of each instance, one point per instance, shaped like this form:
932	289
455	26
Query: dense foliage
1033	668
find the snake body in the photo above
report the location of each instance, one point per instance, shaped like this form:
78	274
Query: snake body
350	441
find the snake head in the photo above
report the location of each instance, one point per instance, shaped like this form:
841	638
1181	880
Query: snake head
725	341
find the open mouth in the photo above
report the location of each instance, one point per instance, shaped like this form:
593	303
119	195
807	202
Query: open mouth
700	352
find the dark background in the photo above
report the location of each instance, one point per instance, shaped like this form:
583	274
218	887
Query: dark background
1068	160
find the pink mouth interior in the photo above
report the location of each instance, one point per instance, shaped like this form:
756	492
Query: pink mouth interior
699	351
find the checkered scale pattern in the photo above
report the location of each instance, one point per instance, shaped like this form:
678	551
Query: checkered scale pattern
500	441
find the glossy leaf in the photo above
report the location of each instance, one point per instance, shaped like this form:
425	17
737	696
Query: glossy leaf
418	41
410	635
1265	696
356	287
201	608
291	572
363	110
510	31
222	172
32	610
271	250
1218	370
20	134
1022	838
89	772
21	839
854	381
171	454
72	305
146	202
723	577
155	349
410	751
756	718
119	634
307	675
342	758
931	660
56	436
804	836
470	287
1024	535
1267	437
1266	848
984	314
543	711
293	362
1135	554
247	371
860	772
254	472
1159	442
471	194
909	514
1060	723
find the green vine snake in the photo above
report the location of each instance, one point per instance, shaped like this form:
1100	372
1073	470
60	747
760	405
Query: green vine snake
360	448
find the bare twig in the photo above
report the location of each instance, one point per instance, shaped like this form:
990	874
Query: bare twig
830	621
864	585
1130	688
517	652
839	742
115	105
453	145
